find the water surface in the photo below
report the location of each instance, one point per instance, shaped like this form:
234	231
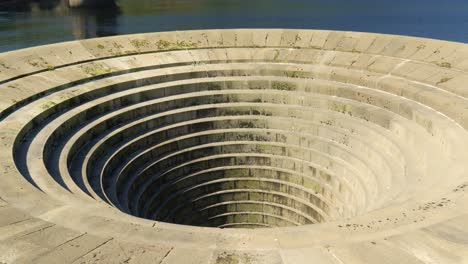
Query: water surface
43	22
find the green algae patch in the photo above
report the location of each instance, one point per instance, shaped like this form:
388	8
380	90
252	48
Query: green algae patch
264	147
444	80
443	64
236	173
164	44
294	74
186	44
47	105
228	258
246	125
315	187
95	69
420	47
283	86
38	62
337	107
116	49
277	53
3	65
140	43
326	122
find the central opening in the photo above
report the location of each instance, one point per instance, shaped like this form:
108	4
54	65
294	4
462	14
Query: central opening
238	171
240	156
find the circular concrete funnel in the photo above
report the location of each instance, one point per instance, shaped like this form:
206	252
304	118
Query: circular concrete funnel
235	146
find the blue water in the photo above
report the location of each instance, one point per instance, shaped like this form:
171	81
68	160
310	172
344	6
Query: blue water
43	22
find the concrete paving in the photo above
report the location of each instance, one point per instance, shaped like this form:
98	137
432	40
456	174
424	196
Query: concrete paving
235	146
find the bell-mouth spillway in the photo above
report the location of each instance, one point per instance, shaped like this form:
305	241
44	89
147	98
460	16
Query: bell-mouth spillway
341	137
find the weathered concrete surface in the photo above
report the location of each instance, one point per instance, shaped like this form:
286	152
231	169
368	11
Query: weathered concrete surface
300	146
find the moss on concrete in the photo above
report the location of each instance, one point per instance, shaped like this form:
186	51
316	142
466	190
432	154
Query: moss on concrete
48	105
180	44
444	64
163	44
140	43
444	80
4	65
283	86
95	69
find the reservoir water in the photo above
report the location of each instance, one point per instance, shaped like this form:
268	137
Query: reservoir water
43	22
